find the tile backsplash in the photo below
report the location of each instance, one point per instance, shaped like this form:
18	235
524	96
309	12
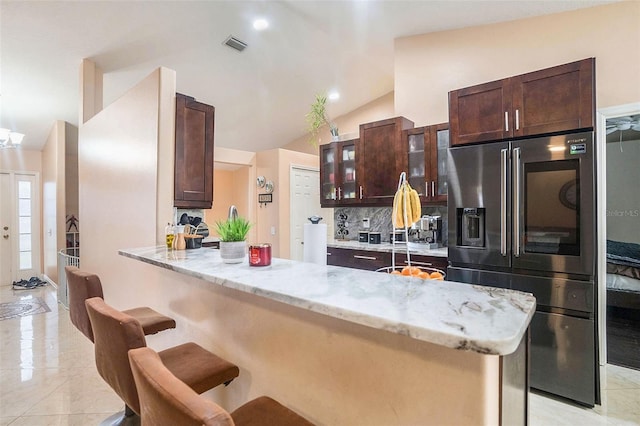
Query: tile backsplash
348	221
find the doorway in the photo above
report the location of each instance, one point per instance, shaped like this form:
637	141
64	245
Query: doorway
305	202
619	325
622	237
20	226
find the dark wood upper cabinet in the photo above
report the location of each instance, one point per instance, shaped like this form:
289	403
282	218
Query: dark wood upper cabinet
193	181
338	174
426	149
381	158
555	99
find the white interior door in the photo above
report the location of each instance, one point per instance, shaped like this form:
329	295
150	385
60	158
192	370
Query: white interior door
305	202
20	227
6	261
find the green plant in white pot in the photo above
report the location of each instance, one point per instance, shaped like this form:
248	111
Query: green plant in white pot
233	235
317	118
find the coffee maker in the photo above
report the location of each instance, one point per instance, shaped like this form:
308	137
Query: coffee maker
429	231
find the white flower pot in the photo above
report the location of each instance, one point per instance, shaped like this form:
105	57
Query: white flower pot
233	251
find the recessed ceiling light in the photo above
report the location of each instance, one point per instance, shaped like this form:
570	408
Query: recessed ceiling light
334	96
260	24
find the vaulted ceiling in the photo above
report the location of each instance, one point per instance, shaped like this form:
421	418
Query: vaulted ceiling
261	94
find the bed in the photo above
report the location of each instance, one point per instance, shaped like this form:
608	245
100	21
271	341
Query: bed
623	275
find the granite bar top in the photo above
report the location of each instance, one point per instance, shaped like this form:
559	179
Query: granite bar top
388	247
455	315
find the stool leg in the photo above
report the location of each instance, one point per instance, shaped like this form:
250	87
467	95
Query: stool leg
128	417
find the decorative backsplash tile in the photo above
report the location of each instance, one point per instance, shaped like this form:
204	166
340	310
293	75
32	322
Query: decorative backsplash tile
348	221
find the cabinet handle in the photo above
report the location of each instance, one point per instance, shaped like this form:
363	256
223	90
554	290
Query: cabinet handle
357	256
328	253
517	120
361	192
426	189
419	263
506	121
339	193
433	188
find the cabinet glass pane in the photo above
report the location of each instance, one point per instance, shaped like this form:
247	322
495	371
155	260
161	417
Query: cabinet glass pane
348	153
443	146
416	143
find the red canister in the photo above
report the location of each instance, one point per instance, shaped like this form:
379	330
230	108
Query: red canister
260	255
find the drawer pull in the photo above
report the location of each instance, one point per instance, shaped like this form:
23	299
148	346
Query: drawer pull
420	263
357	256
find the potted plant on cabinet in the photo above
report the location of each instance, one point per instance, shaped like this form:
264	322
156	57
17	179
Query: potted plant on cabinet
317	117
233	234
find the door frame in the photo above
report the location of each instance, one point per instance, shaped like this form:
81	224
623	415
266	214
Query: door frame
602	115
36	226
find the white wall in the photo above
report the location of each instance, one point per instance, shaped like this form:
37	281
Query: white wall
428	66
123	178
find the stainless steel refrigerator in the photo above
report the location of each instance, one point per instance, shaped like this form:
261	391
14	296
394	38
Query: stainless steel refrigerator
522	216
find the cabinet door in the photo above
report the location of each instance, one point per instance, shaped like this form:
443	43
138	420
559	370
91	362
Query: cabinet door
328	174
480	113
418	159
555	99
348	192
438	147
381	159
194	153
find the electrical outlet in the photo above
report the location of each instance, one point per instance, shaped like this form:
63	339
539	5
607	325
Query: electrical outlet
273	230
366	223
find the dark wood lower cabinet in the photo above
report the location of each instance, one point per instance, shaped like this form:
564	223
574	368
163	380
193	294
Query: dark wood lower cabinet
372	260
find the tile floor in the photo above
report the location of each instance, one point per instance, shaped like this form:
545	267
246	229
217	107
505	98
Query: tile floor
48	377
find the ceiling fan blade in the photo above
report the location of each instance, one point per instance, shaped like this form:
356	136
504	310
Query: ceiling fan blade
620	120
613	129
636	127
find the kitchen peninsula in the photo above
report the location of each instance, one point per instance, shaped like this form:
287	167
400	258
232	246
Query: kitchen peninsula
345	346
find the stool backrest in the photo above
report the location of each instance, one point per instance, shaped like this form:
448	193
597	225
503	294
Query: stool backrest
115	333
166	400
82	286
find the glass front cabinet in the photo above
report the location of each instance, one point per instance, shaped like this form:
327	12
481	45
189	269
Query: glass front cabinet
427	161
338	174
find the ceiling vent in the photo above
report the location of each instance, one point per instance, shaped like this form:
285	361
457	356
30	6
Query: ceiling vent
234	43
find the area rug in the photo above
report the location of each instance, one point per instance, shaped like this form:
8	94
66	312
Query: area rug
23	308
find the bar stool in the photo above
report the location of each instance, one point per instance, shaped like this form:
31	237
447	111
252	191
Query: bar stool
115	333
167	401
85	285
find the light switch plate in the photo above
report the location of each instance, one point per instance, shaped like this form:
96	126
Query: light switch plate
366	223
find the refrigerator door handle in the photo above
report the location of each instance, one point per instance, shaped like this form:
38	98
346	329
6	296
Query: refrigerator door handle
516	202
504	157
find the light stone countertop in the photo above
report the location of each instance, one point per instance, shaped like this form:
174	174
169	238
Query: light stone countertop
455	315
387	247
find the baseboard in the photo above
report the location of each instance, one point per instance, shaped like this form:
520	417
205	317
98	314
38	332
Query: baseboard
49	280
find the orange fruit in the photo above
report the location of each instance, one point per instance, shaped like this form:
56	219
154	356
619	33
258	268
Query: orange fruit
396	273
436	276
424	275
415	271
406	270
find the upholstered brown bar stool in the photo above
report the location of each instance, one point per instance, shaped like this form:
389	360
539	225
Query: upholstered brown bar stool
85	285
115	333
165	400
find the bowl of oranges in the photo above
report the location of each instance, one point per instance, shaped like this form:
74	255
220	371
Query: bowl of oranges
415	272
